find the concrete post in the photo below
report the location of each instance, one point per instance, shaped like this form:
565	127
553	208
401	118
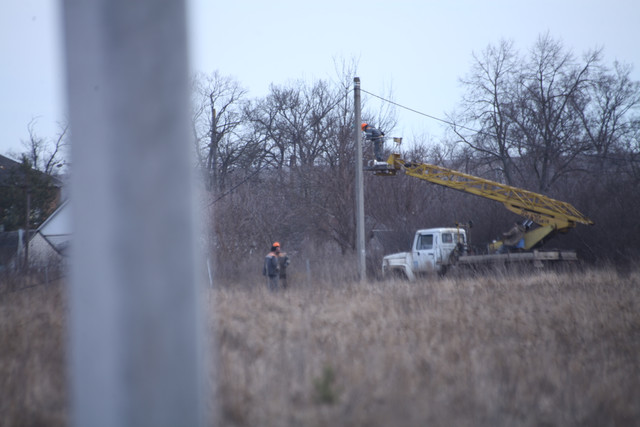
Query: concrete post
135	343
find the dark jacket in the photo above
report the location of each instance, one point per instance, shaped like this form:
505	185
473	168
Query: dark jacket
373	134
270	267
283	261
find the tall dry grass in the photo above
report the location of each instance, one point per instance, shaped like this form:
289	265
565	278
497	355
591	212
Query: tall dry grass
545	349
32	352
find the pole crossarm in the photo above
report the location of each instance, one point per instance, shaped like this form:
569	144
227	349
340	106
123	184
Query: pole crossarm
538	208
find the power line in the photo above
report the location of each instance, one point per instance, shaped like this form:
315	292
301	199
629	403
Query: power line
247	178
425	114
409	109
481	132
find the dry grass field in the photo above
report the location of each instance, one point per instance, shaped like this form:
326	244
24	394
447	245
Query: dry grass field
32	353
547	349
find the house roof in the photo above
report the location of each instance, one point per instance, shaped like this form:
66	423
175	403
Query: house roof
6	165
59	243
63	209
8	168
57	235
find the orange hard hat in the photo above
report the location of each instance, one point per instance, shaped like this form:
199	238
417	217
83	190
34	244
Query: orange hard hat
364	125
276	244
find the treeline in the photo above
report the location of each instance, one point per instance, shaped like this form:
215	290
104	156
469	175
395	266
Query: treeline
282	167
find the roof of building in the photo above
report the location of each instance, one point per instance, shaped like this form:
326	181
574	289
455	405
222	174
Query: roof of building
9	168
6	165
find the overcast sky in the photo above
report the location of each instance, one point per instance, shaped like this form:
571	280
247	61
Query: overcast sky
416	50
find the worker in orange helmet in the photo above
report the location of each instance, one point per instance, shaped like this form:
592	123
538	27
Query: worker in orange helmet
377	137
271	268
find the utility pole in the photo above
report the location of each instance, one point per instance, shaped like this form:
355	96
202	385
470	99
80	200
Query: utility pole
360	248
27	224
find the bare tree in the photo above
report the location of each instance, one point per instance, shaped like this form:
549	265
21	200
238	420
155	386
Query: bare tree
486	107
45	154
295	122
528	114
547	126
217	118
340	153
331	191
608	117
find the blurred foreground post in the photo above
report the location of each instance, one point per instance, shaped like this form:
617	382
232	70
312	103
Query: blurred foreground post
135	330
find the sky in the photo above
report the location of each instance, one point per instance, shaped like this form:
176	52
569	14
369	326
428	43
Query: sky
412	51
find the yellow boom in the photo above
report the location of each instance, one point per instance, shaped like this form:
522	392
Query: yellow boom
553	216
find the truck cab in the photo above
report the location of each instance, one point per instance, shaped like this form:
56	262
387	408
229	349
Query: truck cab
431	252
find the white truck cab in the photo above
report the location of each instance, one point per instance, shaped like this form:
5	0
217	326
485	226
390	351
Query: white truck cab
431	252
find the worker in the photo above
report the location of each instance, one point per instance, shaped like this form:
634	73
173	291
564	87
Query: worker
377	137
270	268
283	263
513	239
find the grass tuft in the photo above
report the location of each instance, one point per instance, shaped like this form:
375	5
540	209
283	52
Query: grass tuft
324	386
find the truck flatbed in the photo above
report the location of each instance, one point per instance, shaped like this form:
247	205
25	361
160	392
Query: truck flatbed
536	257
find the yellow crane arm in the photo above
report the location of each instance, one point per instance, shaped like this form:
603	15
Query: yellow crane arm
551	214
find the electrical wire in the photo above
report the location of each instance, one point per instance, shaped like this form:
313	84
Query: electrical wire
407	108
480	132
427	115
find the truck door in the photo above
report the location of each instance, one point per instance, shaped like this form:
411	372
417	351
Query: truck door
425	254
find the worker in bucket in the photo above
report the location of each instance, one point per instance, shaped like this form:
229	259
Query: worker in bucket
377	137
513	239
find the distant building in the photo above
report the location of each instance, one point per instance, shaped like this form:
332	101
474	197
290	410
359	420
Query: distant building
50	243
16	182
